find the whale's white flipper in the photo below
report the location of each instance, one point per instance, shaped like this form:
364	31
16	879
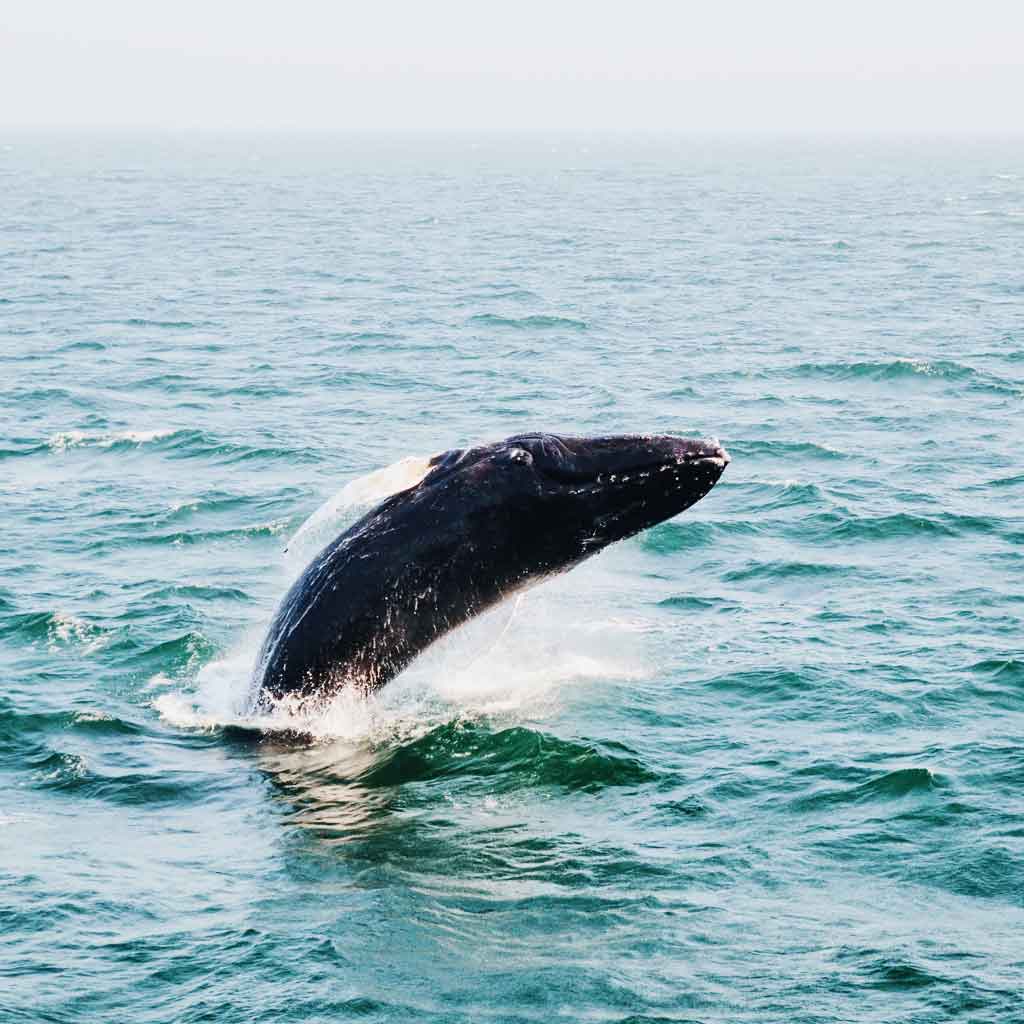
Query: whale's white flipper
356	496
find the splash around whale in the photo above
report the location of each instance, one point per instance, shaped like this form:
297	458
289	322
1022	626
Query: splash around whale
481	524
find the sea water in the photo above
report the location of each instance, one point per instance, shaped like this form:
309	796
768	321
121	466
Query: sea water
764	762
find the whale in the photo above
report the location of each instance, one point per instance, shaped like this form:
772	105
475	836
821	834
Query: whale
482	524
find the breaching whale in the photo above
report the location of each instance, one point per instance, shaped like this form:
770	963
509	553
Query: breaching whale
483	523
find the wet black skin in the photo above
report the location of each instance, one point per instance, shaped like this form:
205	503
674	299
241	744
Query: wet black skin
483	523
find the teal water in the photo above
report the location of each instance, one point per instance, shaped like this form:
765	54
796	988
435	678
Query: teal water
762	763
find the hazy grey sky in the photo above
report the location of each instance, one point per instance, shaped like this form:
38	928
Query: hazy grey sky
902	65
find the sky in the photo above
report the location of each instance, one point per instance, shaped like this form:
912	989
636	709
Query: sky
901	66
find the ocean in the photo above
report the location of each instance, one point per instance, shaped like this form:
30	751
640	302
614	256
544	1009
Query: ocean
761	763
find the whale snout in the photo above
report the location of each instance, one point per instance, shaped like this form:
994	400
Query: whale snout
701	450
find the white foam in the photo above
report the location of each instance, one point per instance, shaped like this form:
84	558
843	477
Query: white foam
518	663
66	629
80	439
93	716
778	482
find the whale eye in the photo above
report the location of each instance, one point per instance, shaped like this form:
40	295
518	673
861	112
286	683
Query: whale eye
520	455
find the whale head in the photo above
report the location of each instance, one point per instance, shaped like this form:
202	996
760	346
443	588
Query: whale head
539	503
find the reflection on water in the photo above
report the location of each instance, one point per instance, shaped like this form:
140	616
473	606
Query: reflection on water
321	783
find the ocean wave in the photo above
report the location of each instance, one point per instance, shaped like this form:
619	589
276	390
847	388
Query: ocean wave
256	391
775	494
60	629
45	397
1008	481
133	536
1006	669
197	592
786	449
666	538
763	684
83	346
688	602
979	869
276	528
183	443
16	726
895	370
846	527
511	758
999	682
685	808
893	785
125	438
23	447
212	503
892	369
780	569
529	323
74	774
509	294
169	325
179	656
889	973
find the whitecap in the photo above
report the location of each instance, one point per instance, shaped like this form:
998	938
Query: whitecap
80	439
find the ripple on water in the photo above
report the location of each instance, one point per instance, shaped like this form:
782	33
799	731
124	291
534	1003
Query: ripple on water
902	782
528	323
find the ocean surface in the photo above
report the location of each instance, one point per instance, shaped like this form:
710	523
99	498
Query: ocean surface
762	763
